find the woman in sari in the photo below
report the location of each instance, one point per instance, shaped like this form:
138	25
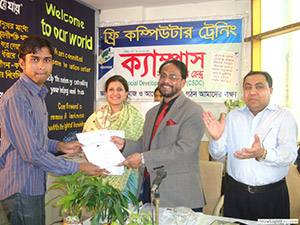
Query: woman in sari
118	114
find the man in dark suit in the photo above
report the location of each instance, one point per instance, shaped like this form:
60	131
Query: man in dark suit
173	144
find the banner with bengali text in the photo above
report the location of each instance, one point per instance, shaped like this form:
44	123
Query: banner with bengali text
210	49
71	27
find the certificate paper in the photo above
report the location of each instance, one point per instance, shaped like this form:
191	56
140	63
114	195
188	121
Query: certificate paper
100	151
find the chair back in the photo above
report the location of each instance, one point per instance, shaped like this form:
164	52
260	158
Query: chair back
293	184
204	150
211	176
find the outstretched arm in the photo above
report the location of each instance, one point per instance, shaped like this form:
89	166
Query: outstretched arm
132	161
255	151
91	169
119	142
72	147
213	126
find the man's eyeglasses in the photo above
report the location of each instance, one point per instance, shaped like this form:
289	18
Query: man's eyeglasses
171	77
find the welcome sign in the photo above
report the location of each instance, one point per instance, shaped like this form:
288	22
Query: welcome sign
70	26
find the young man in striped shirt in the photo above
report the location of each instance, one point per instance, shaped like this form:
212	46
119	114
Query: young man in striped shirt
26	151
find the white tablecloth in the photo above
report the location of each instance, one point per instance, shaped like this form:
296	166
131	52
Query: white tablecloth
166	217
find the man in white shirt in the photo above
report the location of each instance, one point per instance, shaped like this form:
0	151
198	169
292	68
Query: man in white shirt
260	141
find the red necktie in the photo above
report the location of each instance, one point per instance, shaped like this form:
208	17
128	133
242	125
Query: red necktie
160	117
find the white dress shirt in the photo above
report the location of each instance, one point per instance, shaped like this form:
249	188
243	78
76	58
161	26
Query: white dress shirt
277	130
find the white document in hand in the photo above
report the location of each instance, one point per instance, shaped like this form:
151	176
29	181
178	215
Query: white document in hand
100	151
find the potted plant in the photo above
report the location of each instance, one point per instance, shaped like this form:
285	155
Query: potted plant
82	191
238	103
139	218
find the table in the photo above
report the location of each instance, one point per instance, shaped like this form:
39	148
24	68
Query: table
166	218
52	213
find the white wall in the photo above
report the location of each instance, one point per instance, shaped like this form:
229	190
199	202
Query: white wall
217	9
209	10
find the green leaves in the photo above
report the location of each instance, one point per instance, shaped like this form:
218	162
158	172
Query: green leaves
238	103
234	104
82	191
140	218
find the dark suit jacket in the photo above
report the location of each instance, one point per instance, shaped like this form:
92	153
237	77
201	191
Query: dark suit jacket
176	148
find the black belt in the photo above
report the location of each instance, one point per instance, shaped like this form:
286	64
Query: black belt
257	189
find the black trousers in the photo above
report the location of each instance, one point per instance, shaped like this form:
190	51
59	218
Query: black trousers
270	204
23	209
144	195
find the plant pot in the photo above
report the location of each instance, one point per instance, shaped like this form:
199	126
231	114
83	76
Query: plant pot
72	220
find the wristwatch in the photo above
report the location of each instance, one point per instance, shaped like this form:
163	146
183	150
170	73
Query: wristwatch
142	160
263	157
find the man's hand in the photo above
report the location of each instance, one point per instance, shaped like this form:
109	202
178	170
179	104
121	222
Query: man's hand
72	147
132	161
119	142
91	169
255	151
213	126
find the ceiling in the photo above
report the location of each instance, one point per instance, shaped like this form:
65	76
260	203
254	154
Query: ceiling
114	4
